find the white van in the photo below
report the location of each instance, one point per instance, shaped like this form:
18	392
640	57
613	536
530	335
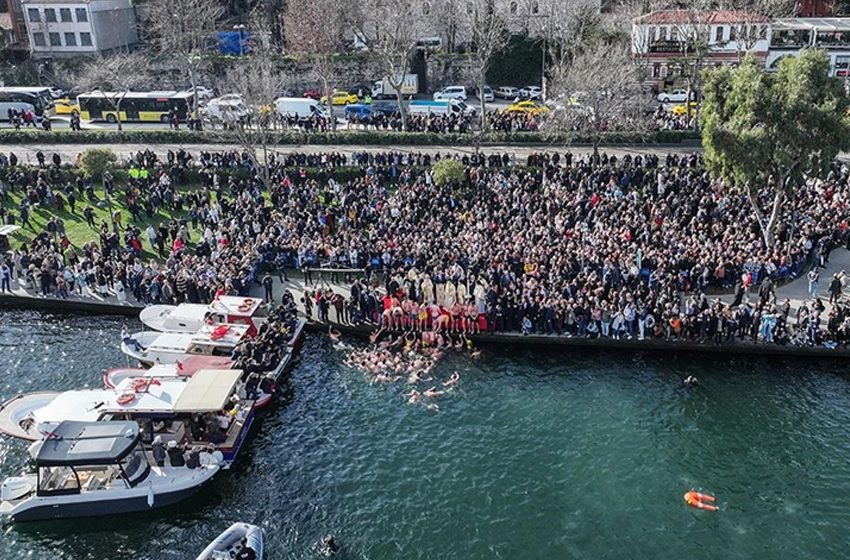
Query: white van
451	92
301	107
226	108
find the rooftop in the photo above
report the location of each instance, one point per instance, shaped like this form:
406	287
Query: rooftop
812	24
88	443
704	17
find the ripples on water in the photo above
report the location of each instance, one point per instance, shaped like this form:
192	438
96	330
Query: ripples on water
537	455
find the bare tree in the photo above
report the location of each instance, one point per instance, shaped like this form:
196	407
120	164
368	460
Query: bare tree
185	31
490	34
605	94
314	33
566	27
391	34
114	77
753	20
255	122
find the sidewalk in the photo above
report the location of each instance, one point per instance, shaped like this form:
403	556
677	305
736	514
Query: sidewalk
28	298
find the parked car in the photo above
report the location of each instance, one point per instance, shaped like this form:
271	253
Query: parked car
675	96
312	94
358	110
67	107
528	107
385	108
488	94
530	92
340	98
506	92
451	92
680	110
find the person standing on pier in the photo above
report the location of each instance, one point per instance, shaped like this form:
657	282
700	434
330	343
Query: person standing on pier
268	285
5	278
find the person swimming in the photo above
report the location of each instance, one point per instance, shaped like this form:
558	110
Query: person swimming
690	382
433	393
452	381
413	397
329	546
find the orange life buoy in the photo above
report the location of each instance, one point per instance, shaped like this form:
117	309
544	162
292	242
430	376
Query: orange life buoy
698	501
126	398
139	385
248	301
244	307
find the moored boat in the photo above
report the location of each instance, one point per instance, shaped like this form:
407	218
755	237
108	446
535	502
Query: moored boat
233	542
190	317
151	347
97	468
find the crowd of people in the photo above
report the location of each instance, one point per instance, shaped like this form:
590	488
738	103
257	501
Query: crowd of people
553	243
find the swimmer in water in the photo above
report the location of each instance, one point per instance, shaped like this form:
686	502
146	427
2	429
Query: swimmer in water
415	378
373	338
413	397
690	381
329	546
433	393
452	381
333	333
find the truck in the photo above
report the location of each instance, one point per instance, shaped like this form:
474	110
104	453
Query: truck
444	107
384	90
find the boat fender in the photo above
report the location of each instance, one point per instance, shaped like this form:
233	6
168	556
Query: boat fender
151	495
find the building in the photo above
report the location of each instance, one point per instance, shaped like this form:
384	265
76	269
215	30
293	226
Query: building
788	36
667	41
19	23
62	28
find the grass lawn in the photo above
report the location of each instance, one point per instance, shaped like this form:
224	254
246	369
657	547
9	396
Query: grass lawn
76	228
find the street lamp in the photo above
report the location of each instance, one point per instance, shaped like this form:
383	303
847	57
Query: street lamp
240	28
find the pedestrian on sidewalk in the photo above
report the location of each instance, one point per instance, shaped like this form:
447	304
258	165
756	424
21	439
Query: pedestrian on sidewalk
268	285
5	278
835	287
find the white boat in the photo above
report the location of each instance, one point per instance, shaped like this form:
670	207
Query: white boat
164	407
190	317
167	348
97	468
229	543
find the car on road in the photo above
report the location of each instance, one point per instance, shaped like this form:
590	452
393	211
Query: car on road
312	94
506	92
57	93
675	96
388	109
451	92
530	107
358	110
680	110
488	94
530	93
67	107
340	98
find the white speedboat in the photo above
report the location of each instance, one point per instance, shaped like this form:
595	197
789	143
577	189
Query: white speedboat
229	543
190	317
153	347
165	407
97	468
114	377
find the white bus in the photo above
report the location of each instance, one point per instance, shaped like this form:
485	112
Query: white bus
38	97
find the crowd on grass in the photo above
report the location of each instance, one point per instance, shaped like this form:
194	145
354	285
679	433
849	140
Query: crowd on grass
553	243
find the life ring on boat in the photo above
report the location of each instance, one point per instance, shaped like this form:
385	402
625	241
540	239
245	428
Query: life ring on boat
140	385
248	301
126	398
243	307
220	332
699	501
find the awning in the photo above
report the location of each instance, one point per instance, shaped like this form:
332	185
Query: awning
88	443
207	391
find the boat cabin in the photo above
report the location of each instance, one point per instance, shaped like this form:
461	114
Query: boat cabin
89	456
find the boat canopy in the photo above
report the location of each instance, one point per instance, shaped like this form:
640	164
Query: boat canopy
74	443
208	390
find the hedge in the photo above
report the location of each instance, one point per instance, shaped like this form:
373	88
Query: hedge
351	138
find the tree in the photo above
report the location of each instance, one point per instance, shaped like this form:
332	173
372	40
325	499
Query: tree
314	33
97	161
447	170
601	91
256	81
185	31
764	133
490	35
391	35
113	77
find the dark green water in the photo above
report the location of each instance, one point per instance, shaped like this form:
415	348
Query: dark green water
538	455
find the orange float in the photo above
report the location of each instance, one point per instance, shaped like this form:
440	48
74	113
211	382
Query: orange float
699	501
126	398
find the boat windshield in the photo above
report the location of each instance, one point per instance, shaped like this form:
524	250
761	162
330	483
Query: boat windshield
135	466
57	480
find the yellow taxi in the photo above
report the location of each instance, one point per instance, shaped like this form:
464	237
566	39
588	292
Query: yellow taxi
529	107
680	110
341	98
67	107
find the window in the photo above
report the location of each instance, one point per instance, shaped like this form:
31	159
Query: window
38	38
85	39
513	8
55	40
34	15
81	14
718	34
732	33
70	40
49	15
65	15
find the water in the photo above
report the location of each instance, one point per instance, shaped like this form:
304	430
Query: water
538	455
